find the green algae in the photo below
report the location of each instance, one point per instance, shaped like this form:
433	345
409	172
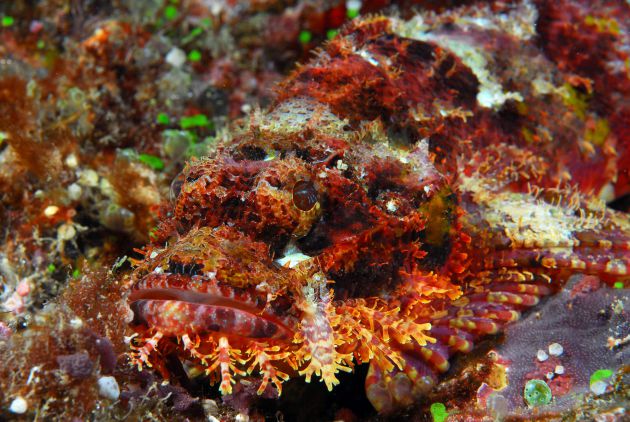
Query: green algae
198	120
170	12
537	393
305	37
600	375
194	56
438	412
163	119
152	161
7	21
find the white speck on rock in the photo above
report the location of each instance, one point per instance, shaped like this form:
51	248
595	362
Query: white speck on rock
31	375
106	188
74	192
18	405
549	375
598	387
66	232
108	387
292	256
88	178
353	4
542	355
559	369
556	349
72	161
341	165
76	323
51	210
176	57
391	206
241	417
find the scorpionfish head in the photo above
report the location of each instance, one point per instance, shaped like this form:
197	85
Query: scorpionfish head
286	250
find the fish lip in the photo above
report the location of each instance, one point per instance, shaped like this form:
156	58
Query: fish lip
200	298
191	296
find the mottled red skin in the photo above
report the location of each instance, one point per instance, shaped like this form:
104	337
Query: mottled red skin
440	237
579	47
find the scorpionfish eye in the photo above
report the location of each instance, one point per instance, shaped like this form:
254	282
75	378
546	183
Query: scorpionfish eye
176	187
304	195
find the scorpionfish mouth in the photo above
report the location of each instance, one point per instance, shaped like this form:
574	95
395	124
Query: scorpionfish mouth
204	284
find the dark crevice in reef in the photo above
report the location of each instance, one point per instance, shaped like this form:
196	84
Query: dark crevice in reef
621	204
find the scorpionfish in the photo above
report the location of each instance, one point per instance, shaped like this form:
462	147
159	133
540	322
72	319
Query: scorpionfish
415	187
